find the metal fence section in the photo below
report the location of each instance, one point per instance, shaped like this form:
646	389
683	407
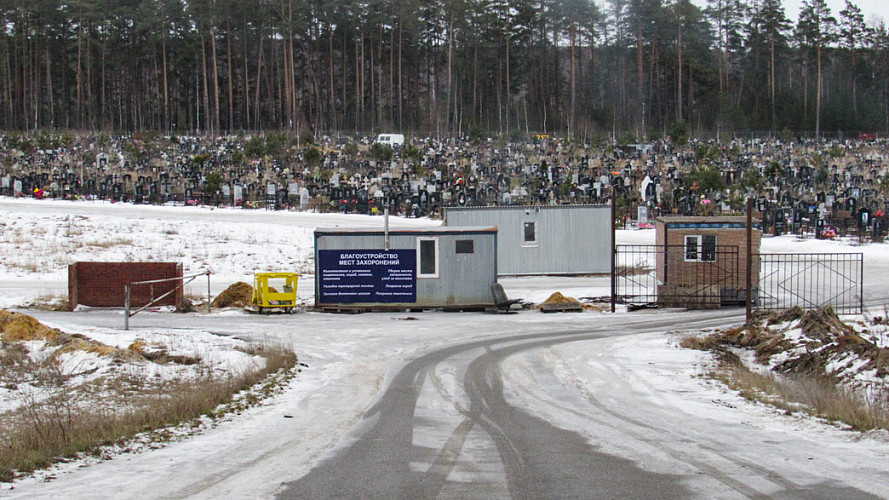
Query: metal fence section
678	276
700	278
811	280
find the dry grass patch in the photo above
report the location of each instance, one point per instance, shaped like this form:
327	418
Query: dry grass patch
69	424
817	371
60	418
109	243
765	343
50	303
818	397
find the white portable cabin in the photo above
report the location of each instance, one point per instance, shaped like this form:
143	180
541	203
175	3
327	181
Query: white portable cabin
544	240
438	267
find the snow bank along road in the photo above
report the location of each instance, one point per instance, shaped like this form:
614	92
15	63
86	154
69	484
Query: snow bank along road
484	406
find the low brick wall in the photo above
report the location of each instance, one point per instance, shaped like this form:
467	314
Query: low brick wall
102	284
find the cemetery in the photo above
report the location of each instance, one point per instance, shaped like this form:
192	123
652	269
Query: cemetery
819	188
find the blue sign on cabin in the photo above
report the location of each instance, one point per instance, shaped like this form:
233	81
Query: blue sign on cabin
367	276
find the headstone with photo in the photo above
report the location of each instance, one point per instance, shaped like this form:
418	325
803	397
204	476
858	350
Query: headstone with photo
864	217
642	214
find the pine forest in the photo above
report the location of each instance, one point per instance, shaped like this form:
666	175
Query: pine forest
445	67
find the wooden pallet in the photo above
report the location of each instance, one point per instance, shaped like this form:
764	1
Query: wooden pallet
548	308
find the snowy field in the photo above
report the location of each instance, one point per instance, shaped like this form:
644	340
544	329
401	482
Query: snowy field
350	357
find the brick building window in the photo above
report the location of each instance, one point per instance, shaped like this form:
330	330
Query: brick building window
700	248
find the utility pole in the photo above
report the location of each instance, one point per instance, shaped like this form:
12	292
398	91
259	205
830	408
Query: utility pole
749	294
613	253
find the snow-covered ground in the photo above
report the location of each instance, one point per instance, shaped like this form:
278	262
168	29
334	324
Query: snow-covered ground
350	357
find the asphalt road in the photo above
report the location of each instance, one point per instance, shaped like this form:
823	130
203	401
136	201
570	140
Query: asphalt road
424	438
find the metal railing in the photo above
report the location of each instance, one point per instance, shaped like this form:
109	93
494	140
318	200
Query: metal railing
811	281
154	300
664	276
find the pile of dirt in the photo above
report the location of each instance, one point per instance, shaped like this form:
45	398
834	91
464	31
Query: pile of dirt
824	325
560	303
16	327
239	294
73	343
786	315
828	349
559	299
764	342
831	341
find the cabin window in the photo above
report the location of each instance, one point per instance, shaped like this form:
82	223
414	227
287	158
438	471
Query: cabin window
529	233
465	246
427	257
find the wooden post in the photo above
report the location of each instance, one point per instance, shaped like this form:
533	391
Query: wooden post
126	321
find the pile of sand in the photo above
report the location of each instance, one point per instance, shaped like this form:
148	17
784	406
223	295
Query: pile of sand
239	294
16	327
559	299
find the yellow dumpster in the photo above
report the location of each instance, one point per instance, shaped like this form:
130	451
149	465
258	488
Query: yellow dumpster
275	290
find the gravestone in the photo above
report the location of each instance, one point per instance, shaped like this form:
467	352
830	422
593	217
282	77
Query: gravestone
779	222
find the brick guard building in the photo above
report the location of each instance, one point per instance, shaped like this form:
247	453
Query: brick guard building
702	261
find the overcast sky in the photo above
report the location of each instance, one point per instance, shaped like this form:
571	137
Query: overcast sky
870	8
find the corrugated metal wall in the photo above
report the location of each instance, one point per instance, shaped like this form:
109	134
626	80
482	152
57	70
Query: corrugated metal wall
463	279
570	239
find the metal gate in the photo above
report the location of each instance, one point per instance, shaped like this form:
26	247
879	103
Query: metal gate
812	280
676	276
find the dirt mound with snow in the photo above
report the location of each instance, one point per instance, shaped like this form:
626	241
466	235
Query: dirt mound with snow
17	327
815	343
824	325
835	349
239	294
